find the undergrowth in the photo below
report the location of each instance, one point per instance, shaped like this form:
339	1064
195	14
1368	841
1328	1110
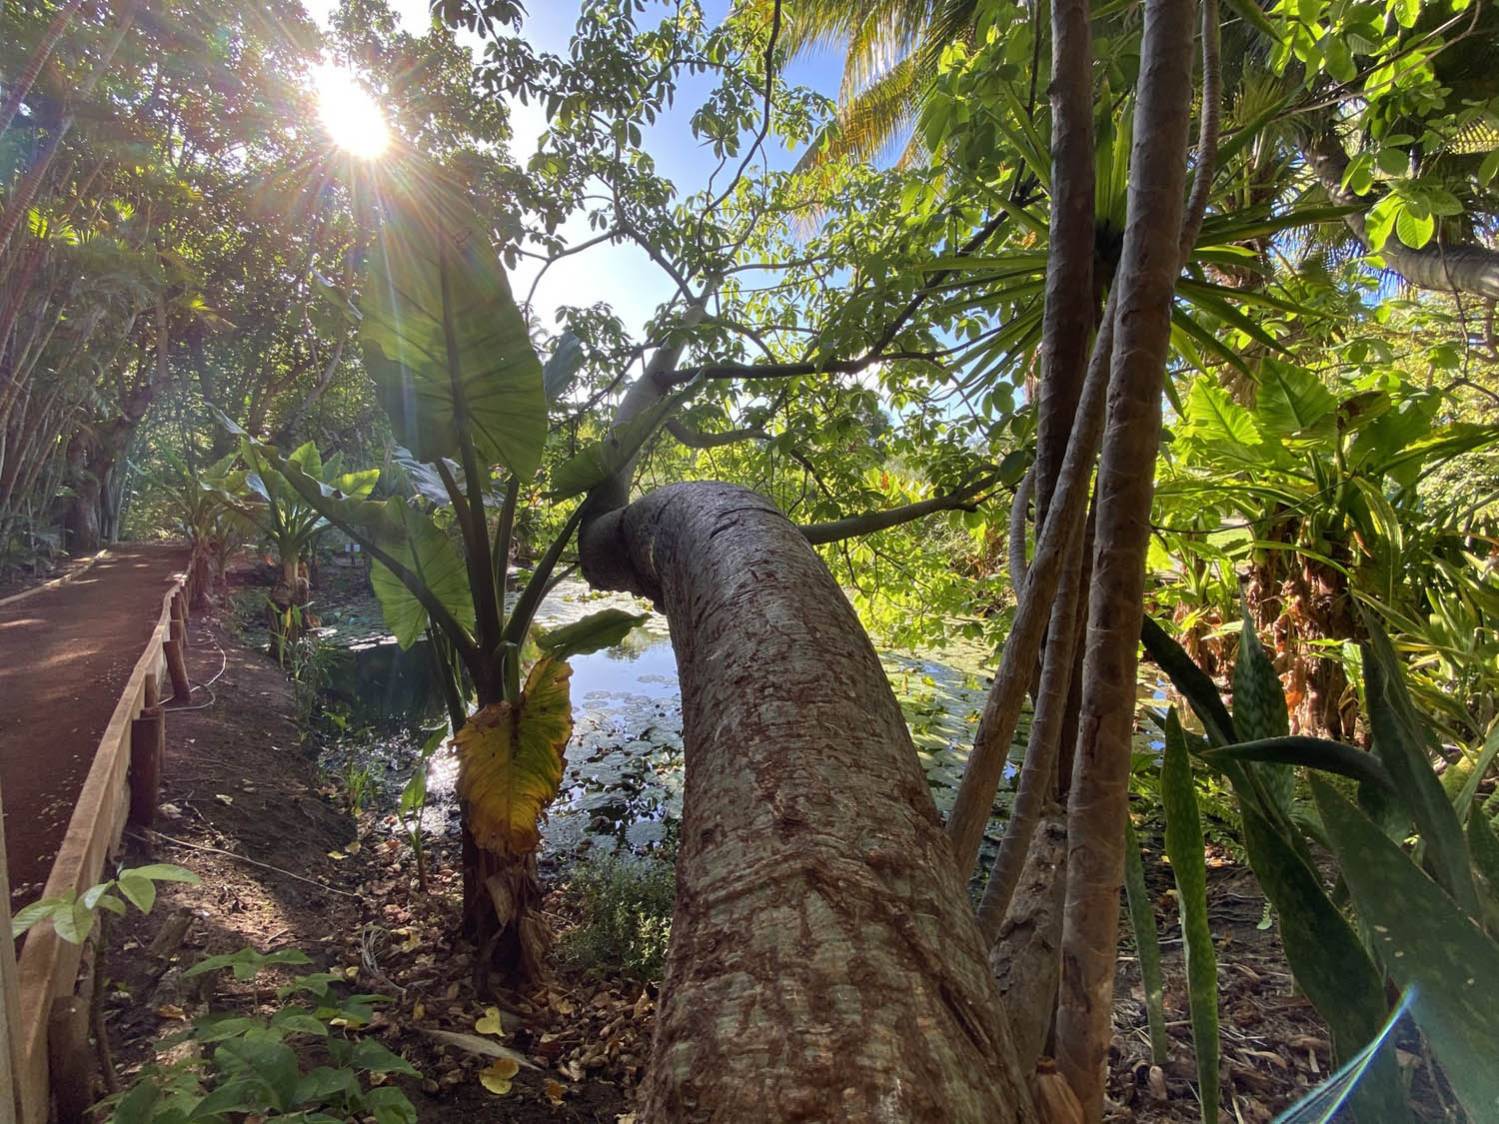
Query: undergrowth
625	905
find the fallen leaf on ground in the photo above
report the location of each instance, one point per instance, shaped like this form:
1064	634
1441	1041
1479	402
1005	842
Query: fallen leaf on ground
490	1022
476	1045
496	1076
171	1011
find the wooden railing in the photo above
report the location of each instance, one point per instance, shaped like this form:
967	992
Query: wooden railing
38	992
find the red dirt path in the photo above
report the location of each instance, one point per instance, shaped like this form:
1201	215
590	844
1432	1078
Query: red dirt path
65	655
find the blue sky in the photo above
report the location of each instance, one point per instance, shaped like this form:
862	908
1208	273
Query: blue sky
620	275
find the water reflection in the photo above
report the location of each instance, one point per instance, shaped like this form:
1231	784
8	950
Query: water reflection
622	787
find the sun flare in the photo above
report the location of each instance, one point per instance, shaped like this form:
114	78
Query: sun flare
350	112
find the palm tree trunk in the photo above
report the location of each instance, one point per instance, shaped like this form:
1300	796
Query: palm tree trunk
825	963
25	191
1098	801
17	93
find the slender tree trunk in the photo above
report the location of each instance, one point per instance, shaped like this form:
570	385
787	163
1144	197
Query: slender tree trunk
825	963
22	86
1068	324
975	799
25	191
1070	315
1099	798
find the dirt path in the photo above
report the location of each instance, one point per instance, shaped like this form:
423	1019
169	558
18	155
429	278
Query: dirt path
65	654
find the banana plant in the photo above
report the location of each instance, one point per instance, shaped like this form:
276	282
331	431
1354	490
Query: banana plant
1427	913
262	496
467	399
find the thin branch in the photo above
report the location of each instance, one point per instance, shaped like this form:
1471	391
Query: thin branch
966	498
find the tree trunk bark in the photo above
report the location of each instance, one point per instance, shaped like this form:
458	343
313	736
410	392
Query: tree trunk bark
1099	798
1070	314
825	963
1469	268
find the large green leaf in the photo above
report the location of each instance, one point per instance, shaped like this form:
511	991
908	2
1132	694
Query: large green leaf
1293	401
1328	959
1193	683
603	629
510	761
1315	753
445	341
559	371
1220	424
1403	741
1147	945
1184	846
1429	944
595	463
410	536
411	539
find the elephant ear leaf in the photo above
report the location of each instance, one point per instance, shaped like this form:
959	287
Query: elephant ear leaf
510	760
603	629
410	537
445	341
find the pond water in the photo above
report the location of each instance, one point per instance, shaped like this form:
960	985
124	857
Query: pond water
622	788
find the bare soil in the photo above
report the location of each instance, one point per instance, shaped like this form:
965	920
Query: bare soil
286	864
65	655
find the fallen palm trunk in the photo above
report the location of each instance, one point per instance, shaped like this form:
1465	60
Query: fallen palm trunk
825	963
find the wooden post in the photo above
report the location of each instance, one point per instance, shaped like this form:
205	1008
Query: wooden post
179	632
10	1001
153	690
147	747
182	687
70	1059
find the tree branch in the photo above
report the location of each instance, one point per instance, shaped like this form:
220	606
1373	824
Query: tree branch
1469	268
964	499
697	439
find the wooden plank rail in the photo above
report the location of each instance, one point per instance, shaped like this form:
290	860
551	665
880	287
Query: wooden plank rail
48	967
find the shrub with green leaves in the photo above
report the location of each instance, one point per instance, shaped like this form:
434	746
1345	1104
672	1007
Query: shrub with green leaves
626	905
255	1065
72	915
1427	914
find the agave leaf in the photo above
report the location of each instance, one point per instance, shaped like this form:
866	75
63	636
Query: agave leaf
1260	711
510	760
1324	1102
1327	957
1427	943
1315	753
1147	944
1403	742
1199	690
1184	847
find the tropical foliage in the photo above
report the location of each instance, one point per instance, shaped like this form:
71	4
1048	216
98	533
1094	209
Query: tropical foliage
929	308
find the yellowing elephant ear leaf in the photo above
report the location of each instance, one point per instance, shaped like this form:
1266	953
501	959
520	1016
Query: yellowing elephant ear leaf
510	761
